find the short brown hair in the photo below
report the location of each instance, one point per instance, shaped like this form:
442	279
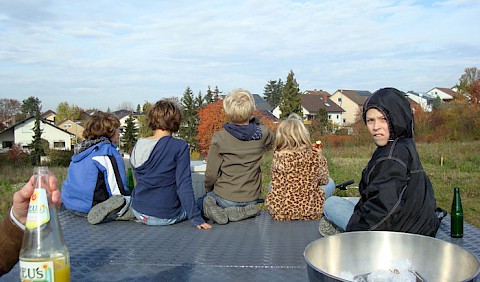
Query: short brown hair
164	115
101	124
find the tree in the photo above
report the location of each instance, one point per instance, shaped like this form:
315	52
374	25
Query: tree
199	100
8	108
30	106
143	129
216	94
291	100
188	128
211	119
138	108
129	136
125	106
36	145
272	92
467	79
319	125
64	110
209	96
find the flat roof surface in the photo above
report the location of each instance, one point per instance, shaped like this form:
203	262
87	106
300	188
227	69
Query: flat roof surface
256	249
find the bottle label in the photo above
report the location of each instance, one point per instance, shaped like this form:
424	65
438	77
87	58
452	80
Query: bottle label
38	213
36	271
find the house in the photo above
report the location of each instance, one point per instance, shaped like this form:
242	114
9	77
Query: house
317	92
446	94
312	103
123	115
351	101
22	133
424	100
74	127
49	116
264	107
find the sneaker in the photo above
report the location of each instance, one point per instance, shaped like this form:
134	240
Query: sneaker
100	211
326	228
128	215
213	211
236	213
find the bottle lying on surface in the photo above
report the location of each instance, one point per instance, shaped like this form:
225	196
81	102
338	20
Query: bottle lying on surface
44	255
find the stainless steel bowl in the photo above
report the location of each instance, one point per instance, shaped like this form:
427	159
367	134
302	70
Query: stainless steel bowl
363	252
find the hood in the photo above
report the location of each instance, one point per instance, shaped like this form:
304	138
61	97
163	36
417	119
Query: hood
86	147
396	109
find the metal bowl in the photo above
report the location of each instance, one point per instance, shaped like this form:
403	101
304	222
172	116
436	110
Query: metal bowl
364	252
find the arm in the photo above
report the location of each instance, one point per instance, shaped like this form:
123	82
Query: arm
185	193
323	171
213	165
380	197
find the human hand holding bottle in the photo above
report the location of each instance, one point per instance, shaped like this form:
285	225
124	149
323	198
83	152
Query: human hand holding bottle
21	198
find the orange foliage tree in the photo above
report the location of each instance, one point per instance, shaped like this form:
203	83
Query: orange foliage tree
211	119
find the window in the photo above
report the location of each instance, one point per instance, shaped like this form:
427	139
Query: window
330	117
59	144
68	125
337	117
339	99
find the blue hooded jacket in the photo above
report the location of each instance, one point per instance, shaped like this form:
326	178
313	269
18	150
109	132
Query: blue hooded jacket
94	175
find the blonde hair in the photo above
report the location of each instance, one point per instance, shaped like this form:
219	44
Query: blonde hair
292	135
164	115
101	124
239	105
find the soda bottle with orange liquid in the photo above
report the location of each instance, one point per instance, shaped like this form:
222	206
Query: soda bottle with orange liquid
44	255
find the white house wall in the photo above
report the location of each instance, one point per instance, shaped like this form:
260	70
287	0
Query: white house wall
23	134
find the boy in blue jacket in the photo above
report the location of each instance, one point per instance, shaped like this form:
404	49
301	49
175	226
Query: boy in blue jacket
96	172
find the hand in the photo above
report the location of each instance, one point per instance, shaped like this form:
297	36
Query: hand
204	226
21	198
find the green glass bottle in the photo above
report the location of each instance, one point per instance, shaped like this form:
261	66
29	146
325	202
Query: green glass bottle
456	215
130	181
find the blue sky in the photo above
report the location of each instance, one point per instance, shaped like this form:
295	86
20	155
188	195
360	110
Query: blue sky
99	54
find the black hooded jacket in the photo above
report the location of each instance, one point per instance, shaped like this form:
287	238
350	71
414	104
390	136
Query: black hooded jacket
396	193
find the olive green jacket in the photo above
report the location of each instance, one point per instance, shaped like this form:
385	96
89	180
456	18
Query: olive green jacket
233	166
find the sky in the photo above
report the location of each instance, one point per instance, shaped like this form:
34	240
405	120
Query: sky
105	53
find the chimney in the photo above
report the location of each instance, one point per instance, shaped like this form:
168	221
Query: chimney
325	98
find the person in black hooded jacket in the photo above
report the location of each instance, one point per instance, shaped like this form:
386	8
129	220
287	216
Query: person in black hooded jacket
396	193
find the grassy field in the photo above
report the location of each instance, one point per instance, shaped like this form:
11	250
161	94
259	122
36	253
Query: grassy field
448	165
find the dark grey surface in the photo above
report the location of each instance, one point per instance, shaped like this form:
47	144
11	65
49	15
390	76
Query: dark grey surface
257	249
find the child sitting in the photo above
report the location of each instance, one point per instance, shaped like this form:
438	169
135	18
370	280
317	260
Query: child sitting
96	172
233	176
298	171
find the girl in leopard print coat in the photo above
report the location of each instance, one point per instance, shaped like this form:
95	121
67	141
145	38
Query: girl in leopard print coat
298	170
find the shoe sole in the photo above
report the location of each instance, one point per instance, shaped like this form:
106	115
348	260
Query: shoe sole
213	211
326	228
100	211
235	213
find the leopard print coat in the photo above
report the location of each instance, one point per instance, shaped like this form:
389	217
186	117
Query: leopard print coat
295	192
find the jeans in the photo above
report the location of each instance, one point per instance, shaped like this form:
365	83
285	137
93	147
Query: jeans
221	202
338	210
151	220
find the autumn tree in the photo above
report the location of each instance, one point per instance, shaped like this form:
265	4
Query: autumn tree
468	84
291	100
211	119
64	110
272	92
129	136
9	107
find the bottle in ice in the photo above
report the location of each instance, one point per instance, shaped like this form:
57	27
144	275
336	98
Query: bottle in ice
456	215
44	255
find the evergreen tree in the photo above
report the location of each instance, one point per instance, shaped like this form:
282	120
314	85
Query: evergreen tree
216	94
143	129
199	100
291	100
188	128
273	92
36	146
139	108
209	96
129	136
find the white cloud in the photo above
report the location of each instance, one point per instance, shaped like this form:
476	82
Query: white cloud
144	50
